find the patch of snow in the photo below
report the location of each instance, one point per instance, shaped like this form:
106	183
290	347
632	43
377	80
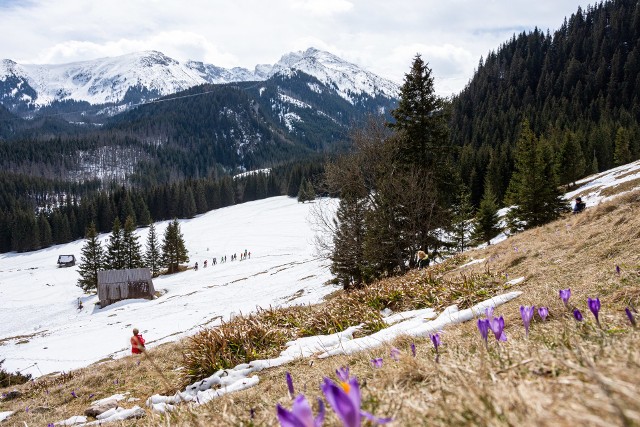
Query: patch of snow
290	119
5	414
72	421
413	323
293	101
472	262
515	281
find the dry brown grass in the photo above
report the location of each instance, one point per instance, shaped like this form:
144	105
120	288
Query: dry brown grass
566	373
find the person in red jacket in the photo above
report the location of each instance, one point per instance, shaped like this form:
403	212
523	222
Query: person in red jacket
137	342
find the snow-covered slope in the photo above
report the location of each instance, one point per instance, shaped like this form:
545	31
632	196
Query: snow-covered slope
108	80
42	330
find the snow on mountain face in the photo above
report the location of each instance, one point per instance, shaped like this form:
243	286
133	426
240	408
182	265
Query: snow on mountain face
107	80
348	79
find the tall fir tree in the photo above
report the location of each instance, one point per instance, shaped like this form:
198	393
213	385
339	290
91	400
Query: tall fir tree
486	223
130	245
533	189
422	147
46	237
347	258
622	153
462	214
116	255
152	256
174	251
571	163
306	192
420	119
91	260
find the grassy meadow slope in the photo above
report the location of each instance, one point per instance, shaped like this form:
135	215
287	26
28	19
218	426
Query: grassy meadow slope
565	373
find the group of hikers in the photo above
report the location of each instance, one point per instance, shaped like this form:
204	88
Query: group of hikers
243	255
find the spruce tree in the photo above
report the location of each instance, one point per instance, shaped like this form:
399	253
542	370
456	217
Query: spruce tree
533	188
116	256
420	119
306	192
91	260
622	154
462	213
423	148
486	223
571	162
44	228
174	251
152	256
131	247
347	258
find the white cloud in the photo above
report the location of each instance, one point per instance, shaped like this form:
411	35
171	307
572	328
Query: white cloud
379	35
323	7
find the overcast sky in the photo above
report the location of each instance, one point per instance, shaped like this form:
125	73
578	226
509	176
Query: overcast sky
379	35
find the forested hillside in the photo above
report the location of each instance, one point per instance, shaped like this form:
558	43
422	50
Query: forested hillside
579	88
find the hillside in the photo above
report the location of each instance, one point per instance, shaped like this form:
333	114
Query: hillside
564	372
578	87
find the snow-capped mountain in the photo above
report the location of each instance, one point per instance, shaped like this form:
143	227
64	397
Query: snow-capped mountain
349	80
142	76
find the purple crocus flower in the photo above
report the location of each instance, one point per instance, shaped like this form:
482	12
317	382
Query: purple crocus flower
630	316
483	327
301	414
594	306
290	385
543	312
565	294
617	269
577	315
51	425
526	312
488	312
497	327
377	363
413	349
73	393
345	400
395	354
343	374
435	339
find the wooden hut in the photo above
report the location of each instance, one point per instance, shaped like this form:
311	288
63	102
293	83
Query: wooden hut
66	260
116	285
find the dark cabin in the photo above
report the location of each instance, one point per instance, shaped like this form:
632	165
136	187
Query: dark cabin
66	260
117	285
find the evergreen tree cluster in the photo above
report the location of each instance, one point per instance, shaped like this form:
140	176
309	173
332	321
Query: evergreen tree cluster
123	251
400	193
578	88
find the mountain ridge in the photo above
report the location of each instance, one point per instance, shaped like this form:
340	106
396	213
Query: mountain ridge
29	87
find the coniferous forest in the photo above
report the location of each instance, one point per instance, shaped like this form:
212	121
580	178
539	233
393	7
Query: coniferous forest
569	99
579	88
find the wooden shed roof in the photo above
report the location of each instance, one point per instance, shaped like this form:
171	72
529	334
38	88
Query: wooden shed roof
106	277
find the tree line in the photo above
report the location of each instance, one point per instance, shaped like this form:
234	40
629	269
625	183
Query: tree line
36	213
